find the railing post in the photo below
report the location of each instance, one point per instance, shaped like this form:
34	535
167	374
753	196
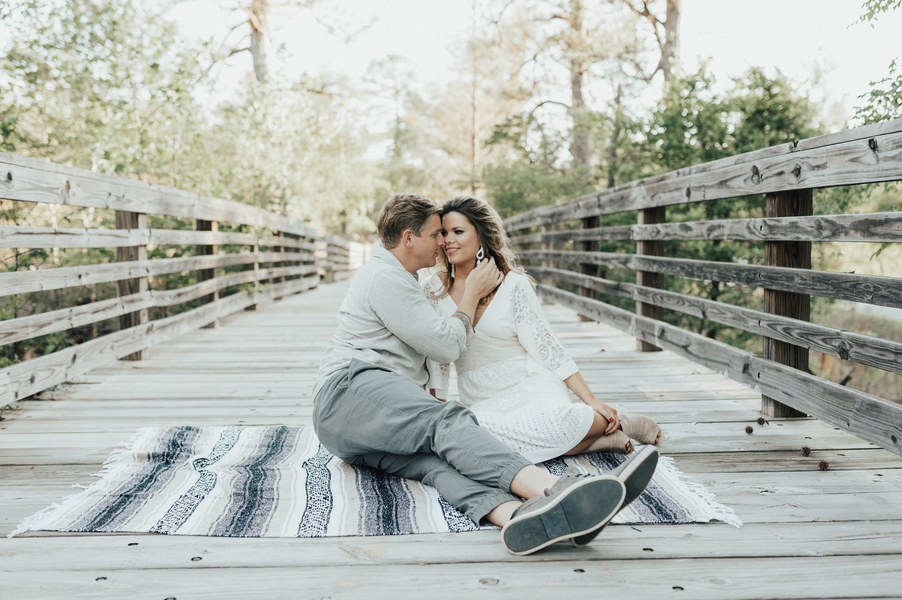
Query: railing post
797	255
125	287
547	245
207	274
277	280
588	268
255	267
650	216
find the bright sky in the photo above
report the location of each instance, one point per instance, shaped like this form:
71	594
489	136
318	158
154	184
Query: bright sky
799	37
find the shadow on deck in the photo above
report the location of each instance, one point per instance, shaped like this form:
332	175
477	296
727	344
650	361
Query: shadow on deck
808	533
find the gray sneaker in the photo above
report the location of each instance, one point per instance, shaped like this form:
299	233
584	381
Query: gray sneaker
573	506
635	473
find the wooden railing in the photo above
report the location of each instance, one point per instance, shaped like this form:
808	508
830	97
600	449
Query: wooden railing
787	174
285	255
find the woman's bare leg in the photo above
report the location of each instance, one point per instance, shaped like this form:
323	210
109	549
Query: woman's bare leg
596	432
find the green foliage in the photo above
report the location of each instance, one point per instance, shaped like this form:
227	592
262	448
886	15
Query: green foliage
873	8
518	186
884	100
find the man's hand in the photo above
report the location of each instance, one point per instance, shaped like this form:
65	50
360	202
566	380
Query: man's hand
483	280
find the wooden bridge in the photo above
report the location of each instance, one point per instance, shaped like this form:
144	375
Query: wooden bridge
808	533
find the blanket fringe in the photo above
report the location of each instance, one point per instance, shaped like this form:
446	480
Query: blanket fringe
120	458
707	500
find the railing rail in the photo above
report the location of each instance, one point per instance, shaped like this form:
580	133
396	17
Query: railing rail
287	255
786	174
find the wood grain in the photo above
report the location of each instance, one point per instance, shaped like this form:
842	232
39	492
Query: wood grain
854	347
22	282
31	180
873	227
869	289
866	155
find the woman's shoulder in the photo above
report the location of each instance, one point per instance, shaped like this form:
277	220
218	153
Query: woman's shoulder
514	280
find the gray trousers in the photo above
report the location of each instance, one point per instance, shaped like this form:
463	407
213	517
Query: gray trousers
368	415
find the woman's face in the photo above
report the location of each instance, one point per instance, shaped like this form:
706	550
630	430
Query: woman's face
461	241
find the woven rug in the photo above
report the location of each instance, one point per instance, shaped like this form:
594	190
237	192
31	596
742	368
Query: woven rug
280	482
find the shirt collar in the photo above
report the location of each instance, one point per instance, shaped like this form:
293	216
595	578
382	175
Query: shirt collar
382	254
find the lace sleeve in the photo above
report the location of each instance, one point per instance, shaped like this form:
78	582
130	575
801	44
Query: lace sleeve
535	334
439	372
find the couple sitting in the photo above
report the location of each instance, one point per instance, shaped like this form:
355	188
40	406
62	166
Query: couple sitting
371	405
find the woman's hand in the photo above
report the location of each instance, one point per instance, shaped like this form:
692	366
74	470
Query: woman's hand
578	385
483	280
609	414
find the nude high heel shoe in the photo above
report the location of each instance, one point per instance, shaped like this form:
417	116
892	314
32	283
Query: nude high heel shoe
640	427
616	442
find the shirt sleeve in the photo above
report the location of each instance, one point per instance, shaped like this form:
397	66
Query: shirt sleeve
439	378
439	372
401	304
535	334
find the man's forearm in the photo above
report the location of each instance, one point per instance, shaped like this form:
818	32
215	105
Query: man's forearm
466	311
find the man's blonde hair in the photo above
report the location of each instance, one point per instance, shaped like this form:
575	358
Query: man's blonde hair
403	212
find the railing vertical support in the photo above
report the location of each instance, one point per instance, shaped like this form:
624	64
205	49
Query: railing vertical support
277	280
207	274
547	245
650	216
125	287
255	267
588	268
797	255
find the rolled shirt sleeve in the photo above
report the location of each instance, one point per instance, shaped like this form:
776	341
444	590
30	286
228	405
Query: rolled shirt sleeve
400	303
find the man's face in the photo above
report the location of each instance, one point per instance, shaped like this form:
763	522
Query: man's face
429	243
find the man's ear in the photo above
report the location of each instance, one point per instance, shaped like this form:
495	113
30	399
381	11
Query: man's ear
405	237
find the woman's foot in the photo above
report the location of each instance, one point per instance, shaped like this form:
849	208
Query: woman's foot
615	442
640	427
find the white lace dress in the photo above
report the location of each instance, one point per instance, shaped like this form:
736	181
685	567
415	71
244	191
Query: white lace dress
511	374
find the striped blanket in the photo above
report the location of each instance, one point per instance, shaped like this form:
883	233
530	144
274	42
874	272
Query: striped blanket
280	482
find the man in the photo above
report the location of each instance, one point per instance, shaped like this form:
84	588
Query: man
371	408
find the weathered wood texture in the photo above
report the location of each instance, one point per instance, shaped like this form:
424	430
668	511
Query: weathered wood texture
807	533
650	279
796	255
865	155
855	347
127	287
873	227
210	250
30	377
23	282
31	180
292	254
869	289
56	237
871	418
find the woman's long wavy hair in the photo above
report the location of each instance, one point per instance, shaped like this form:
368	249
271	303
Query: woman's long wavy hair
490	233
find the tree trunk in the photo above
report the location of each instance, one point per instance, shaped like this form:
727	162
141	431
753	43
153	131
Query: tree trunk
473	137
615	137
670	50
579	148
257	15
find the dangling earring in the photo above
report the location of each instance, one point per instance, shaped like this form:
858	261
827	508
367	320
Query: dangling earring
452	271
480	255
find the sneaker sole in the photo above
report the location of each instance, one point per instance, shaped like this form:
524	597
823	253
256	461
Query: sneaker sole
583	508
635	477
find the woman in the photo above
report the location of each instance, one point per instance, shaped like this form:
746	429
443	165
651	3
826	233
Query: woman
515	375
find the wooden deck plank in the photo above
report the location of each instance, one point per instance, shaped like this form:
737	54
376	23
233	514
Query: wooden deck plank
259	367
716	579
